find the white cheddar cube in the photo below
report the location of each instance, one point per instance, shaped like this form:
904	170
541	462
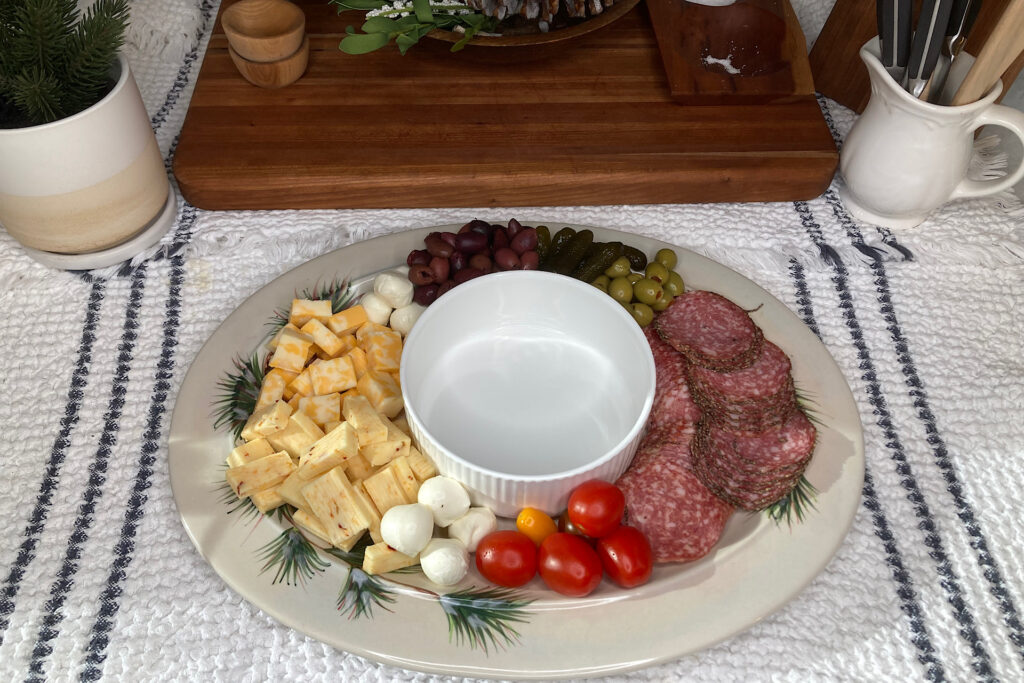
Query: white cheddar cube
381	558
382	391
266	421
336	504
332	376
326	340
266	500
360	414
385	491
297	437
265	473
405	476
347	321
292	351
322	409
304	310
333	449
247	452
274	384
422	466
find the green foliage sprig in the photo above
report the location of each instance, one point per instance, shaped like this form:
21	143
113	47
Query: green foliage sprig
406	21
54	61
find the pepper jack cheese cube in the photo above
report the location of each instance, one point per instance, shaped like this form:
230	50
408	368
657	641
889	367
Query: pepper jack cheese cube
385	491
405	476
383	452
358	467
322	409
267	421
304	310
274	384
337	505
382	391
402	422
364	419
298	436
347	321
381	558
261	474
331	376
292	351
266	500
247	452
290	491
372	510
422	466
335	448
384	350
310	523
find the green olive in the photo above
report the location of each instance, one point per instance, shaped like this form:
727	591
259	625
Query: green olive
642	313
602	282
674	284
667	258
662	303
648	291
620	268
657	272
634	278
621	290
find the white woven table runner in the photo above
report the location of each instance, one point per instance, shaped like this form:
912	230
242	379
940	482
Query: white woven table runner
100	581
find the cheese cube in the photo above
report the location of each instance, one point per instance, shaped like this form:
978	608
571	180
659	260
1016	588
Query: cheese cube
292	351
274	384
331	426
380	558
383	452
371	509
335	448
364	419
347	321
247	452
266	500
322	409
272	343
304	310
261	474
385	491
358	467
323	337
383	350
405	476
267	421
301	385
367	330
402	423
290	491
308	522
359	361
293	402
338	507
422	466
348	342
330	376
298	436
382	391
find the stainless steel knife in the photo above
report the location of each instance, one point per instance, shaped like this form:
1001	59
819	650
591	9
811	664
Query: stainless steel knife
961	20
924	49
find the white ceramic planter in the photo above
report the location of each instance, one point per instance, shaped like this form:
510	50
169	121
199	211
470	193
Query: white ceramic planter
89	182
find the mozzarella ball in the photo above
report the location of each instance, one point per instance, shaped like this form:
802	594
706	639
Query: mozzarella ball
407	528
395	289
377	309
472	526
402	319
444	561
446	499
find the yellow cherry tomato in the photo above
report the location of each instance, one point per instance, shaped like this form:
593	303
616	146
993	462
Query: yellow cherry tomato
535	524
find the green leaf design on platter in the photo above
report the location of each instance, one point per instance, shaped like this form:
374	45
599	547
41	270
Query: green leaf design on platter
235	504
361	593
338	292
483	618
294	559
794	505
239	390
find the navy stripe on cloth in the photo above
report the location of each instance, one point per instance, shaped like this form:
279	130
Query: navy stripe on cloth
948	578
93	494
58	452
909	603
940	453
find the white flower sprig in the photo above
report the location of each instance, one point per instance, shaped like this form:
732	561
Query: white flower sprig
400	9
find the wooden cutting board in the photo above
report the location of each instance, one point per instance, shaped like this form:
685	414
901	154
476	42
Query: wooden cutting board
594	124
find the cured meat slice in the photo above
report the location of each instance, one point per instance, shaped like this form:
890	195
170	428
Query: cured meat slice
711	331
680	517
767	376
673	403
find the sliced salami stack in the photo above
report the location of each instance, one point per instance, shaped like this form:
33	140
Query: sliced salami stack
711	331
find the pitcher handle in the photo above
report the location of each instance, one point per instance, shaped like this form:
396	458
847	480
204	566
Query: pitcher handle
1013	121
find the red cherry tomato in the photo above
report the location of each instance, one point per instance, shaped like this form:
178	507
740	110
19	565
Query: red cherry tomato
507	558
626	556
569	565
596	507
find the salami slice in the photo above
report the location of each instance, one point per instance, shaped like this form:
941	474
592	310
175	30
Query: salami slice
673	403
767	376
711	331
681	518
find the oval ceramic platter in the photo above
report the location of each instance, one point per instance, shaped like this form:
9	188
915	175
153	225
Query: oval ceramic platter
474	629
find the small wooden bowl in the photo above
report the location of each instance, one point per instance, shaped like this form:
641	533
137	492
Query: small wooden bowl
264	30
273	74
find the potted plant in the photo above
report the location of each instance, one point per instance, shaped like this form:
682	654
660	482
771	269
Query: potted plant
81	175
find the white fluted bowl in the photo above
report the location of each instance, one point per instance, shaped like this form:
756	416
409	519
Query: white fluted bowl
524	384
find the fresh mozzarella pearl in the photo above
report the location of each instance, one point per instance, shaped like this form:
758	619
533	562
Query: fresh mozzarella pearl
446	499
393	288
444	561
402	319
407	528
472	526
377	310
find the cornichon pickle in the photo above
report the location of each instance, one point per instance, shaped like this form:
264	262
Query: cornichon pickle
559	240
598	261
637	258
566	260
543	242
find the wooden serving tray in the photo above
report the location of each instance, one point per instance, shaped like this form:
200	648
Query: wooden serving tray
593	124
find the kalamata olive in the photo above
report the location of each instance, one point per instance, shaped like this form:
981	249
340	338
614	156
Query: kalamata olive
444	287
482	227
466	228
507	259
440	268
525	241
530	260
424	295
458	260
514	227
420	274
448	237
481	262
418	257
466	274
471	242
437	246
499	239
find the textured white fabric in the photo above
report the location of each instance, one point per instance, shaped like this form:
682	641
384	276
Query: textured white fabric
925	324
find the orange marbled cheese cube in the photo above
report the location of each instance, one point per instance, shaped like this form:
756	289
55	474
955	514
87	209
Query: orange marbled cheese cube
382	391
292	351
274	384
330	376
323	409
304	310
347	321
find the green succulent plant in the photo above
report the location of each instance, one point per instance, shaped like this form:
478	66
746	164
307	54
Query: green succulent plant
55	60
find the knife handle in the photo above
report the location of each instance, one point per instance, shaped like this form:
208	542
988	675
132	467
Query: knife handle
931	28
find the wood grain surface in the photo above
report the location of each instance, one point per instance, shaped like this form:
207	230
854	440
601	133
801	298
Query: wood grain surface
594	124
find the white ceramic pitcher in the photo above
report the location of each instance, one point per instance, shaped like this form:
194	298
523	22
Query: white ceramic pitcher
906	157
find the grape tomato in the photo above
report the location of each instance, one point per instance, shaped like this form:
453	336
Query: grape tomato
596	507
568	565
507	558
626	556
